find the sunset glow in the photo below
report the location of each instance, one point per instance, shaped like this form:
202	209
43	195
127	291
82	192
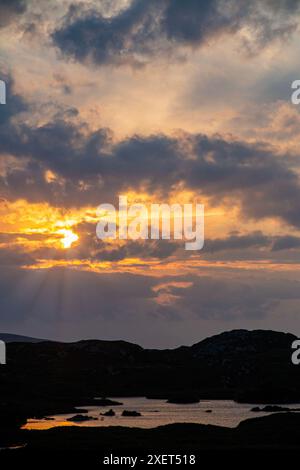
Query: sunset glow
69	237
162	115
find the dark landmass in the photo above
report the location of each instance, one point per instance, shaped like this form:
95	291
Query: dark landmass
248	366
109	413
46	378
107	402
81	418
272	434
131	413
274	409
183	399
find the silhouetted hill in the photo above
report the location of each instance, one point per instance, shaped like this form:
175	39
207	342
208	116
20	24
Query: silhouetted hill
270	436
251	366
236	342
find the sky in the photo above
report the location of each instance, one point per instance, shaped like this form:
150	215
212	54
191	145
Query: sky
163	101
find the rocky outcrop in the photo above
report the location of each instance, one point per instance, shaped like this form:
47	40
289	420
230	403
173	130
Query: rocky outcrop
108	402
273	409
81	418
109	413
183	399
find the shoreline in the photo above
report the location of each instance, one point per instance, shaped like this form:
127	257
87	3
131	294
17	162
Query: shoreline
268	433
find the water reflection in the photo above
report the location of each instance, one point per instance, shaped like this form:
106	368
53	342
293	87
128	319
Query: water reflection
156	413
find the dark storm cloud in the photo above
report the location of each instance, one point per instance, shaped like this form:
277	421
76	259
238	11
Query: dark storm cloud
287	242
237	242
262	181
90	248
159	249
10	9
255	246
88	166
252	246
86	33
91	166
146	28
194	22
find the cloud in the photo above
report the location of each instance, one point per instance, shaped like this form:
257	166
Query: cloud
88	166
58	297
253	246
71	304
228	299
15	256
87	249
28	249
286	242
145	29
10	9
256	239
237	242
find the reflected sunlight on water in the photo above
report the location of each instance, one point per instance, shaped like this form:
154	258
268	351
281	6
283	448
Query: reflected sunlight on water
156	413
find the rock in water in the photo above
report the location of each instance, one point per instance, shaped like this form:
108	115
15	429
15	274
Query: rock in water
80	418
131	413
109	413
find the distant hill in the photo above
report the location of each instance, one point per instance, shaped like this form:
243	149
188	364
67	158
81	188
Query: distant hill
252	366
10	338
236	342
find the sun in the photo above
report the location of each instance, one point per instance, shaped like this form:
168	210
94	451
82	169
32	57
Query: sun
69	237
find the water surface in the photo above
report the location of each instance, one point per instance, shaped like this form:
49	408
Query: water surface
156	413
